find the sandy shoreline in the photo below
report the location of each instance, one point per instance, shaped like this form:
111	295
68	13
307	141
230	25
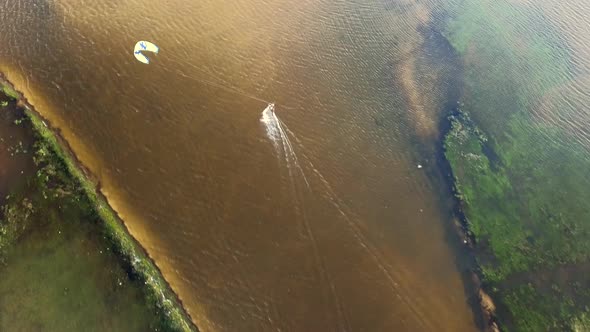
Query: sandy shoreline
130	251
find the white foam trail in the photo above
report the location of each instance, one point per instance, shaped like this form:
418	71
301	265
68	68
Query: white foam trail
271	123
350	219
277	134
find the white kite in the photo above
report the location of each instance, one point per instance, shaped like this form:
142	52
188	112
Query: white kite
147	47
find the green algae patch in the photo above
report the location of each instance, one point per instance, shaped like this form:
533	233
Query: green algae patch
483	188
528	220
524	226
60	217
529	211
539	310
521	182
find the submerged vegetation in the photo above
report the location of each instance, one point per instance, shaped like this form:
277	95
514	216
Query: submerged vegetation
529	223
523	230
58	197
522	183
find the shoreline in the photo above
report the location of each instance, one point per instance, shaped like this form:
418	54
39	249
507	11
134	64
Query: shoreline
486	307
519	184
133	256
136	258
459	235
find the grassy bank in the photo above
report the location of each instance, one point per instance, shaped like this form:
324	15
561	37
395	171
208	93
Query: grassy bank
522	183
60	177
8	90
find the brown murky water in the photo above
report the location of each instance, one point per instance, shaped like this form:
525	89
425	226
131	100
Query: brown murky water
348	237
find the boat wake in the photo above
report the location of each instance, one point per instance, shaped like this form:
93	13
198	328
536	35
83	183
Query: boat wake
271	123
279	134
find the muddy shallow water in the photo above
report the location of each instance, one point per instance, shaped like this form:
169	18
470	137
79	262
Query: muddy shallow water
341	232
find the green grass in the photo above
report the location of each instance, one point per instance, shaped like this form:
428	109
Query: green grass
8	91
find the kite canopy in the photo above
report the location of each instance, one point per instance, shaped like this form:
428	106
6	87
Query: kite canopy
144	46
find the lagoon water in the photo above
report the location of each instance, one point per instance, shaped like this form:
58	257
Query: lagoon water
361	242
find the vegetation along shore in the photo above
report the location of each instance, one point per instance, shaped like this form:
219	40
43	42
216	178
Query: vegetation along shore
59	194
521	183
